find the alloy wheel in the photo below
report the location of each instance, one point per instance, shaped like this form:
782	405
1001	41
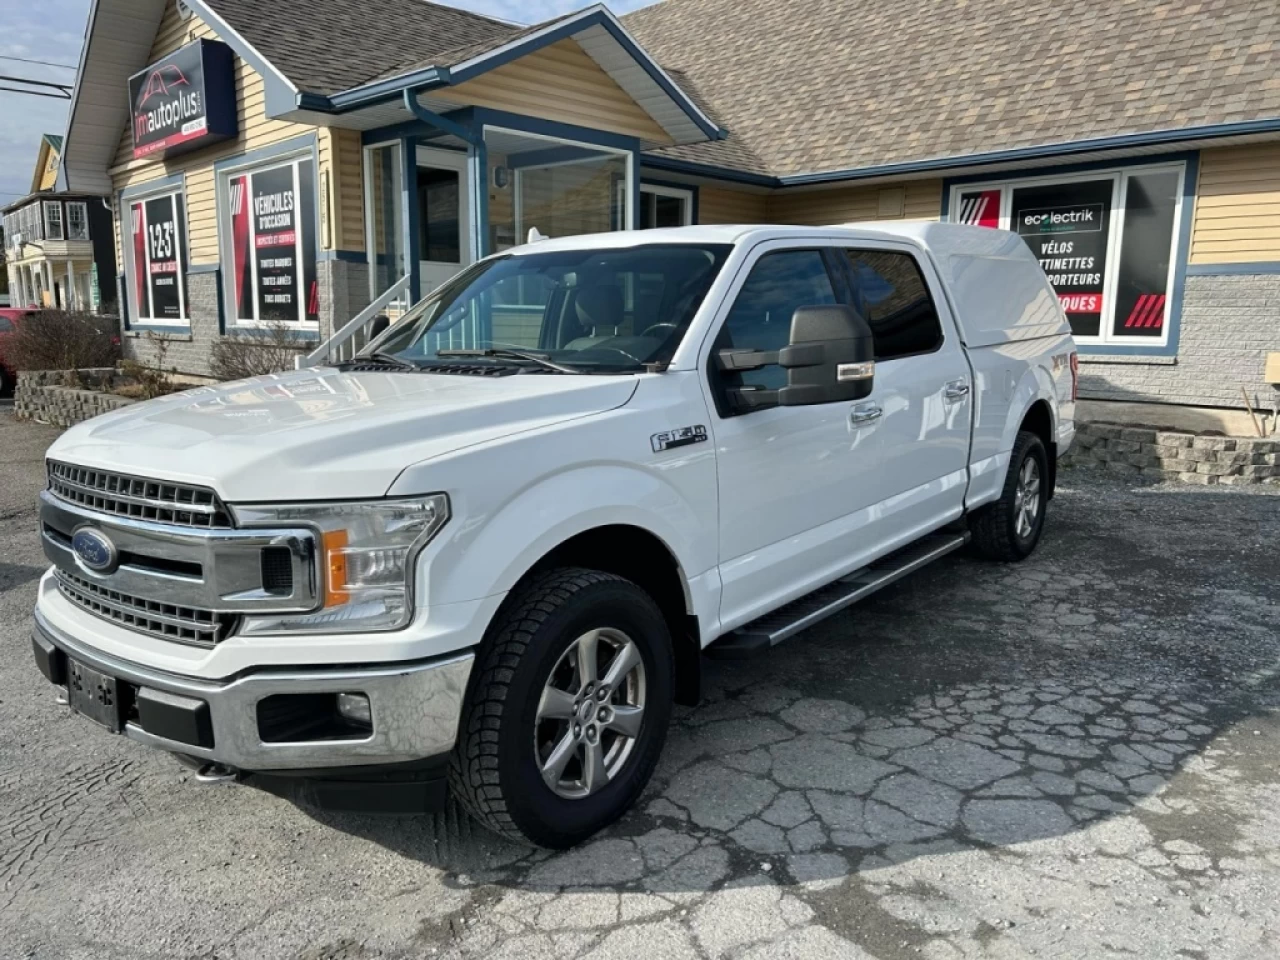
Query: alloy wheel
1026	498
590	713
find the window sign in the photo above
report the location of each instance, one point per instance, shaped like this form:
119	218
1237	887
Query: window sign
1150	205
1067	227
273	244
1105	241
156	257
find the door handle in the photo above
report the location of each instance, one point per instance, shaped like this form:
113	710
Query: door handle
955	391
865	413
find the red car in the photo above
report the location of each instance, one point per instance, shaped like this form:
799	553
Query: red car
9	320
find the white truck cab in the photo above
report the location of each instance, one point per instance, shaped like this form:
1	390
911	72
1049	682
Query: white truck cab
488	553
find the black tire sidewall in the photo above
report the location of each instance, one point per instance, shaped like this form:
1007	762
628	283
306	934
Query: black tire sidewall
540	814
1030	447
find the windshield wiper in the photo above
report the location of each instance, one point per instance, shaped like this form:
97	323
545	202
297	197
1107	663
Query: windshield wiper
390	359
501	353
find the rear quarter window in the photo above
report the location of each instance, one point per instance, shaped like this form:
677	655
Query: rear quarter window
890	291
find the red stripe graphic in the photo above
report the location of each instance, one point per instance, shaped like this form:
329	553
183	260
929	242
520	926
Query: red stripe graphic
1155	317
1147	312
139	223
240	244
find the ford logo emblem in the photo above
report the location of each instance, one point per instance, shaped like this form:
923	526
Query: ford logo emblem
94	551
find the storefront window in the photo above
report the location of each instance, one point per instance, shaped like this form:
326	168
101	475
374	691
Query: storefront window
1105	241
155	259
272	263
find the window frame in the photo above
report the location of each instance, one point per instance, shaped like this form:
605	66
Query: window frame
1119	174
684	194
83	207
248	165
135	318
54	207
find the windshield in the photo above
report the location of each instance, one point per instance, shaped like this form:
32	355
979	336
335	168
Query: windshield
606	311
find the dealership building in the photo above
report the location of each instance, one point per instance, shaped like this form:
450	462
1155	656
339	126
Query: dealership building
291	163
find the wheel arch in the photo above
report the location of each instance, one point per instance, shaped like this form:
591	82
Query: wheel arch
1039	420
644	558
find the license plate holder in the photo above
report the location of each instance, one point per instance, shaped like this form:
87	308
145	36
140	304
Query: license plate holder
94	695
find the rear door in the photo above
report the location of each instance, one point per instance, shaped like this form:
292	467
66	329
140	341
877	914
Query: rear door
921	406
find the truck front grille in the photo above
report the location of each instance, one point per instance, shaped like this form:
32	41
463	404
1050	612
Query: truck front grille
201	628
158	501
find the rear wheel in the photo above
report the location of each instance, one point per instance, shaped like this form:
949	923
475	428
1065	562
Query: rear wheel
1009	529
6	382
568	711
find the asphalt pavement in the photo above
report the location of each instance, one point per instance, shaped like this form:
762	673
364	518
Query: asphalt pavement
1073	757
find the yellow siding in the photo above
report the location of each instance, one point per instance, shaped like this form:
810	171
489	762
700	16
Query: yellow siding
1237	215
923	201
48	176
561	83
346	192
255	131
717	205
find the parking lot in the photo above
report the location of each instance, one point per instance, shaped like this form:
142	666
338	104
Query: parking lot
1073	757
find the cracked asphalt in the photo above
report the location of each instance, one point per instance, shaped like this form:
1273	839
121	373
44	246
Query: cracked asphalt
1073	757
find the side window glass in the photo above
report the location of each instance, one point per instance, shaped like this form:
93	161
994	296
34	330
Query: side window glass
760	318
890	292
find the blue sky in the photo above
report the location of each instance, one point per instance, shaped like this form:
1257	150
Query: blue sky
26	31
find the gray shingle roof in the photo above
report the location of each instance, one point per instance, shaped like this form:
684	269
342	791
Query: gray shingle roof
327	47
817	85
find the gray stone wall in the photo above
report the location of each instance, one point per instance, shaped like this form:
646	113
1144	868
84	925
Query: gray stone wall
1229	323
344	292
1165	454
43	396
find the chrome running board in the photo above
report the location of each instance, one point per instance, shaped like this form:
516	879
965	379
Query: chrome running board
764	633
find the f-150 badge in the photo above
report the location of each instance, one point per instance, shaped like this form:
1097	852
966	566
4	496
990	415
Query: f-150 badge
680	437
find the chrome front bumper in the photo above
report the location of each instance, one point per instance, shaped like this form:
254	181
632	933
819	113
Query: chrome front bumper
415	706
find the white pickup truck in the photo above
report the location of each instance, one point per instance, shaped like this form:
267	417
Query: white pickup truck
489	553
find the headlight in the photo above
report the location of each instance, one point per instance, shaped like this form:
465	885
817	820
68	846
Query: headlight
367	554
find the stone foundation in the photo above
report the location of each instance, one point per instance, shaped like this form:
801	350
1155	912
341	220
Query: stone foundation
43	396
1169	455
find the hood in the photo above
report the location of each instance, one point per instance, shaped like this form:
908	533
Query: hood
324	434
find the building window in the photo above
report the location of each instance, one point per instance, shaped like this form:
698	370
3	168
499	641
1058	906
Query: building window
52	220
155	254
1105	239
664	207
77	221
269	239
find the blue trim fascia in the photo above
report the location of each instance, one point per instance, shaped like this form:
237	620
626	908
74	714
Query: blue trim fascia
414	127
710	171
1066	169
158	328
345	256
1259	268
264	154
440	121
220	299
383	91
1068	148
478	205
200	268
481	117
692	188
122	299
175	181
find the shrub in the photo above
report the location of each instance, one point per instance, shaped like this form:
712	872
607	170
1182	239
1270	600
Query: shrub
149	379
61	340
237	356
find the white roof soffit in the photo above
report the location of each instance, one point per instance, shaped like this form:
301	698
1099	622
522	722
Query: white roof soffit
118	39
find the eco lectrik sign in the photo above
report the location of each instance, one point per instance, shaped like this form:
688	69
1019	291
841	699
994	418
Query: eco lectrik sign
184	101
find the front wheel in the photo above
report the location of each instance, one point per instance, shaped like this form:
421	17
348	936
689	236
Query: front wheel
1009	529
568	711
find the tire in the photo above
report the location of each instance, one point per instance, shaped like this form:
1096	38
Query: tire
6	383
995	527
497	769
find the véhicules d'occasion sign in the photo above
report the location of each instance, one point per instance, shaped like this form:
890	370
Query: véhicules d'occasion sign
185	101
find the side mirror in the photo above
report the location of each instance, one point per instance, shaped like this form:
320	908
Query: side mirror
380	323
831	357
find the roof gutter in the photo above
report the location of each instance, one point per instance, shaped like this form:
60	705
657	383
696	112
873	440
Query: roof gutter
941	164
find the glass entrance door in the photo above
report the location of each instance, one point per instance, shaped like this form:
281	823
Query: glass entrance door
444	234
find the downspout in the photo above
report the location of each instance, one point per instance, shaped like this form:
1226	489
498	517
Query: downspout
477	163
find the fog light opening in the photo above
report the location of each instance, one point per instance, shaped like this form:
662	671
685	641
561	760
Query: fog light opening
355	708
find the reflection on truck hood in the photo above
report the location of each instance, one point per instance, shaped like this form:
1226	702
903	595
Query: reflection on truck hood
324	434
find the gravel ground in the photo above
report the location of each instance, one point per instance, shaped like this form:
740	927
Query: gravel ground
1072	757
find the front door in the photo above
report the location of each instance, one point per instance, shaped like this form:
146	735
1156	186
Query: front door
444	228
797	485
